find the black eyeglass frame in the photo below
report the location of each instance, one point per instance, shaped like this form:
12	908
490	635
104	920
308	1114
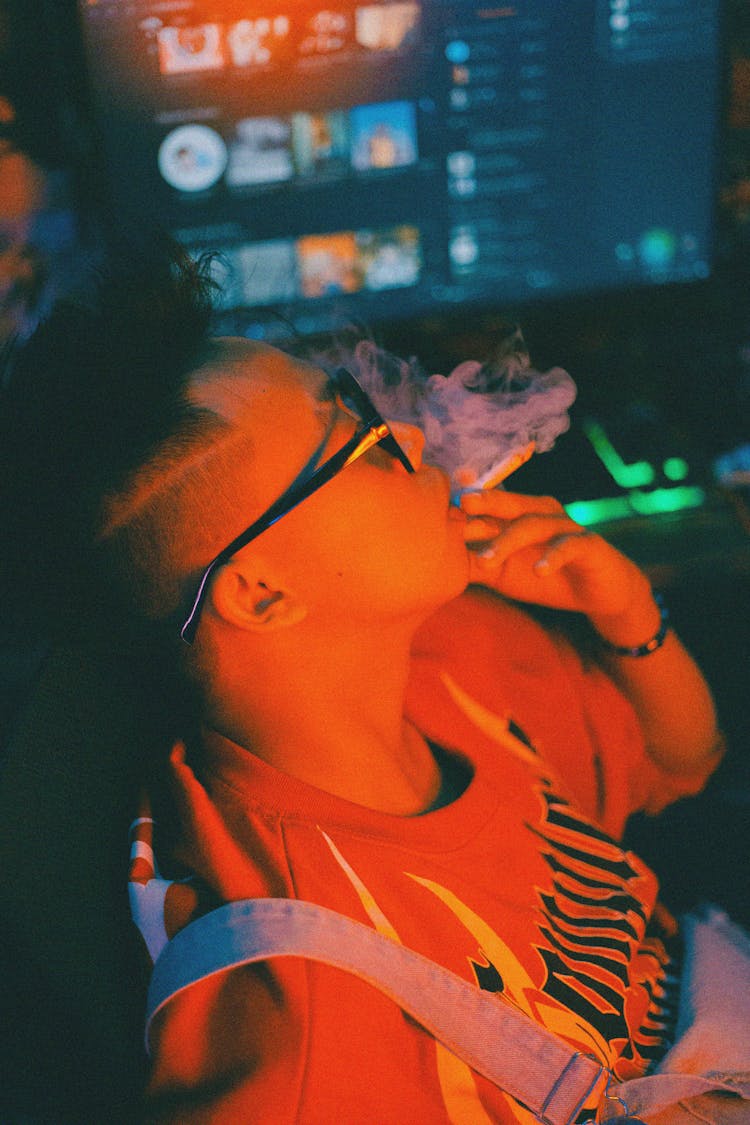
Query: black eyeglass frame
374	430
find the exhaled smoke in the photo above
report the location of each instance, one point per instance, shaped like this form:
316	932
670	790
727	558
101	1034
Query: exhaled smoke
477	417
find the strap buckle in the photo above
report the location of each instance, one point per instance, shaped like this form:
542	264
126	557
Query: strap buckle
545	1120
611	1115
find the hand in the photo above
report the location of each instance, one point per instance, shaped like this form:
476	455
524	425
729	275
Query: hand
527	548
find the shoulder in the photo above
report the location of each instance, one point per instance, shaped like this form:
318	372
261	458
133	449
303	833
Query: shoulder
571	711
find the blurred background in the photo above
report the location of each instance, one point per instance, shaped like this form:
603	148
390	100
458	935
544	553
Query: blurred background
428	170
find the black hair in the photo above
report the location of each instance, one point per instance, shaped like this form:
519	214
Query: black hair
86	401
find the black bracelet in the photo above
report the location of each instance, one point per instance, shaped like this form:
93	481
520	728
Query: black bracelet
650	646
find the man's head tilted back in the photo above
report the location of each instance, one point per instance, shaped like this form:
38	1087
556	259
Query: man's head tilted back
114	471
138	447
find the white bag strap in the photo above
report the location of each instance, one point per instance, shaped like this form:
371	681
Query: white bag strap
524	1059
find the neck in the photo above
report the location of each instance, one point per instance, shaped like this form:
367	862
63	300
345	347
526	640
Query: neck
329	711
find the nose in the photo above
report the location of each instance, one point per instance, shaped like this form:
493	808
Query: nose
411	439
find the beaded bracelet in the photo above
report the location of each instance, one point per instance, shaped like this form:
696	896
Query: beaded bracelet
650	646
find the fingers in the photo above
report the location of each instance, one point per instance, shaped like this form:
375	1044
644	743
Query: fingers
557	537
529	549
491	512
560	551
479	531
536	529
502	505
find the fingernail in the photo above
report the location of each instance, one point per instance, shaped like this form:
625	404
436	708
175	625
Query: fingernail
470	502
487	553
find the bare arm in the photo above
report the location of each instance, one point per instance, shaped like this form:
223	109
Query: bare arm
528	549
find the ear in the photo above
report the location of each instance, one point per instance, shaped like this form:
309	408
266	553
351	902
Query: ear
246	600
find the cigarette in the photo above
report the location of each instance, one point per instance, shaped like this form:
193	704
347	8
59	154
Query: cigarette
504	468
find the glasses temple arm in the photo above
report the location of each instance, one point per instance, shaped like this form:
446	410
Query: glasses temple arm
288	500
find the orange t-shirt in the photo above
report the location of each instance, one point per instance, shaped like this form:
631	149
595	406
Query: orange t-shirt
519	885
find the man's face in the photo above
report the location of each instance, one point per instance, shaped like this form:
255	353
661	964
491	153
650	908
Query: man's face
373	542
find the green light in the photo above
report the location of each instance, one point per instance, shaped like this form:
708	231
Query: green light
588	512
675	468
666	499
635	475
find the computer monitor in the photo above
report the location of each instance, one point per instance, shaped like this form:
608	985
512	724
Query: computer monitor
376	160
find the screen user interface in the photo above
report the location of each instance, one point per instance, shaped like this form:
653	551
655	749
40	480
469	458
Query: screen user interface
382	160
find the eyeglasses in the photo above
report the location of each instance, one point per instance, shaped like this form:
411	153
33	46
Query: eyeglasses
372	430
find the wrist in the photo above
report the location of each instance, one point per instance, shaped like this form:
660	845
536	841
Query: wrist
635	635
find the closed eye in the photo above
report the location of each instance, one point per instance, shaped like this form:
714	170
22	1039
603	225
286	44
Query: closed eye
347	404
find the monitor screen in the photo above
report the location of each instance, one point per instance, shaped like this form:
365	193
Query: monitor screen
384	159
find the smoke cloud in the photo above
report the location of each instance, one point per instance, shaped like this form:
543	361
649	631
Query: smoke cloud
475	417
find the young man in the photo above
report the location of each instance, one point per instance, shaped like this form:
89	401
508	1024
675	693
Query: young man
380	730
